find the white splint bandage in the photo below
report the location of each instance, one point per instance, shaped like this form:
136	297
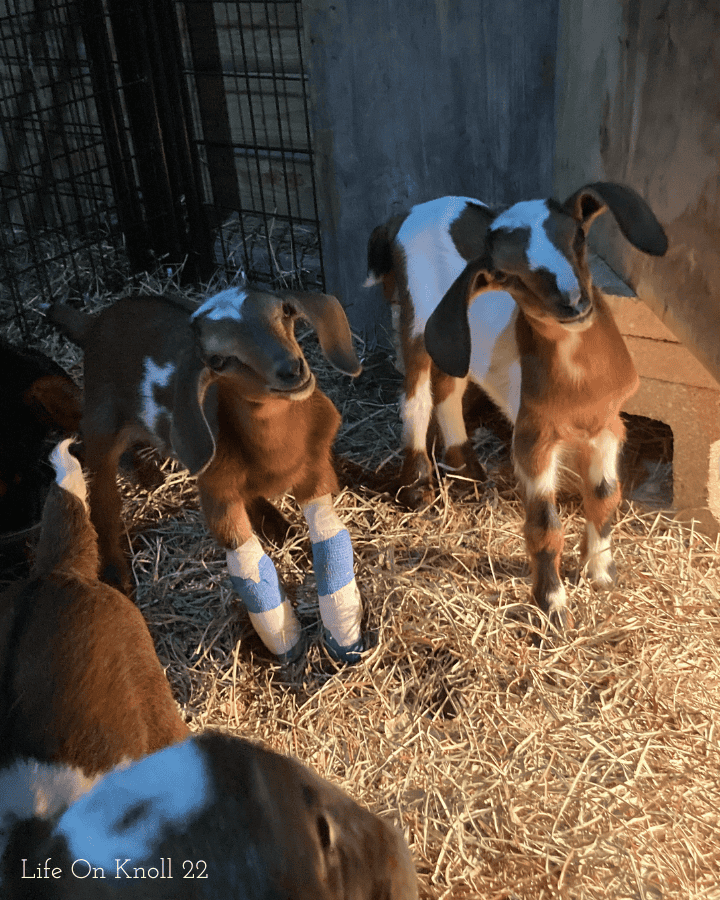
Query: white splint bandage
338	594
254	578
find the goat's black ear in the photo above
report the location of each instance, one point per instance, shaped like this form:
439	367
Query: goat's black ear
193	431
447	332
635	218
328	318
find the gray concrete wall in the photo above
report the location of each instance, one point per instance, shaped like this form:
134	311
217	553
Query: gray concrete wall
413	99
638	101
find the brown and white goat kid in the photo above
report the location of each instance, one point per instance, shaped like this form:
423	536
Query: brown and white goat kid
215	816
539	338
80	682
227	389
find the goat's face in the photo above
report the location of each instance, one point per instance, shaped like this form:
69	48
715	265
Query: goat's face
249	337
535	250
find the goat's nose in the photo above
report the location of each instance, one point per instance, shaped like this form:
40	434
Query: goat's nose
292	370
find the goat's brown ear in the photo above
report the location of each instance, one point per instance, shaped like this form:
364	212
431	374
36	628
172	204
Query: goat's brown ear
635	218
447	332
328	318
193	430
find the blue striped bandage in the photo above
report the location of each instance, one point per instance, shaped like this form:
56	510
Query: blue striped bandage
338	594
254	578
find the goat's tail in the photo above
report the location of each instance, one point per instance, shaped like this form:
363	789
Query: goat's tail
379	251
73	323
68	541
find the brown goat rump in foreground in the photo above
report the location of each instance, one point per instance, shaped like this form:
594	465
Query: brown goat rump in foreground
80	682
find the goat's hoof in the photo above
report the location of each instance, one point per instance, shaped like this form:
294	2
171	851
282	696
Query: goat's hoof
415	496
294	653
604	579
560	619
349	654
463	461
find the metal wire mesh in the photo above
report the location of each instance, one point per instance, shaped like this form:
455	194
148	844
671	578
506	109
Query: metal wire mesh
87	197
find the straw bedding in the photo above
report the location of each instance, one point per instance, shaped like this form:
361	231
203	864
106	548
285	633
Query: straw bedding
587	768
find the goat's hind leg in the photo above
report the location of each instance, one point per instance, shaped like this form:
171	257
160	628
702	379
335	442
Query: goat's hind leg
102	456
253	574
597	466
416	407
460	456
536	468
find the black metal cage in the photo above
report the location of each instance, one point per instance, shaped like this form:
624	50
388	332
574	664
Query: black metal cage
139	132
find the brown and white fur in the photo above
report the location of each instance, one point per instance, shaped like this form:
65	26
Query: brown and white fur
80	682
538	338
214	816
224	387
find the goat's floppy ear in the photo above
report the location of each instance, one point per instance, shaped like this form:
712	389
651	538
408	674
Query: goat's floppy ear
635	218
447	332
328	318
192	433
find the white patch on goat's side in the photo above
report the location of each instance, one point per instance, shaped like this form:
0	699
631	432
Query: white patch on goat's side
541	252
225	305
154	376
449	416
432	261
125	814
599	556
544	484
29	788
68	471
415	413
372	280
603	461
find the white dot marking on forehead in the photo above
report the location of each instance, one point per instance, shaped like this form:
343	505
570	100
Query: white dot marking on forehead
541	252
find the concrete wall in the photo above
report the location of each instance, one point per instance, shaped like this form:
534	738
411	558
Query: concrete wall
413	99
638	101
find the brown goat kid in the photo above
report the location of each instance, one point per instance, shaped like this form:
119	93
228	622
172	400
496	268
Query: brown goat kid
227	389
81	682
505	298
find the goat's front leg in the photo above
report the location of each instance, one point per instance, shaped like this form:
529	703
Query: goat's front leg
597	466
102	456
416	411
252	573
536	466
338	594
460	455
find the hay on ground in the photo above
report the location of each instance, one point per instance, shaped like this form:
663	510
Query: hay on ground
587	769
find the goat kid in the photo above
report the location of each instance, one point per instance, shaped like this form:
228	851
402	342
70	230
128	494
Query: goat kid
227	389
80	682
540	340
215	816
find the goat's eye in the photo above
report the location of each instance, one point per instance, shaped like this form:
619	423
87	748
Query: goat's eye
218	363
288	310
501	277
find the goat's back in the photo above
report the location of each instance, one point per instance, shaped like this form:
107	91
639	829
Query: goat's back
80	680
